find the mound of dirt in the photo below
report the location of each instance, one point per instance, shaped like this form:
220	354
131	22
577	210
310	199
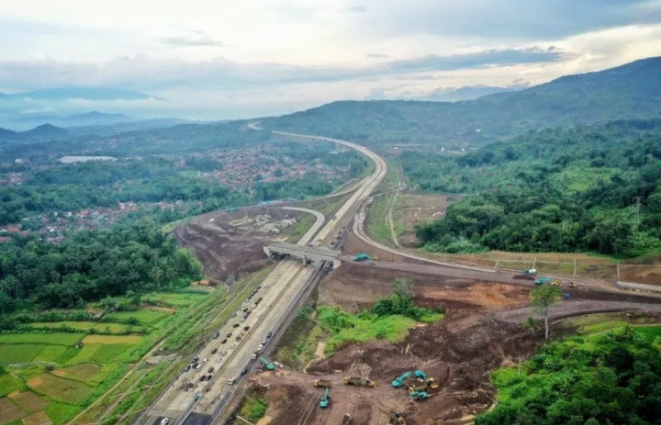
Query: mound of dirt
458	353
232	243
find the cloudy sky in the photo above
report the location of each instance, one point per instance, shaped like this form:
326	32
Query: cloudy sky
228	59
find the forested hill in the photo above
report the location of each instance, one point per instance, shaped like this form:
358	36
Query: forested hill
625	92
595	188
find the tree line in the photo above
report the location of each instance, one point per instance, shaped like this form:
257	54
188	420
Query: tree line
133	255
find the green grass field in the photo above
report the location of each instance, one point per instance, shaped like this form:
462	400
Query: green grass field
52	338
50	353
145	317
60	389
9	384
61	378
113	328
19	353
180	299
343	327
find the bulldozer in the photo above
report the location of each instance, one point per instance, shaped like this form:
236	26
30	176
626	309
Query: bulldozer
431	384
322	383
418	386
357	381
323	403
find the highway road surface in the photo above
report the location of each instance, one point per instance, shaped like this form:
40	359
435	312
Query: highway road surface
227	355
279	290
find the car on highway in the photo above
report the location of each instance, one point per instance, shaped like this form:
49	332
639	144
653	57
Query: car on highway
205	360
187	368
238	338
214	351
269	335
233	346
259	348
229	335
223	341
236	325
244	371
246	328
202	378
165	421
216	335
211	369
231	381
197	366
264	341
195	360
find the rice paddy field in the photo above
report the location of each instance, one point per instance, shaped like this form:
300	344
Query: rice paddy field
54	370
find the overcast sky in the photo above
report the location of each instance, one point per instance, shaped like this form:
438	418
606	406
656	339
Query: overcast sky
240	58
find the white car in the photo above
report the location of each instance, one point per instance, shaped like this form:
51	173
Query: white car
260	347
165	421
205	360
230	381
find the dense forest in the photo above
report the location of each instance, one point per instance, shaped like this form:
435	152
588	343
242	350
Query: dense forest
595	188
609	379
134	255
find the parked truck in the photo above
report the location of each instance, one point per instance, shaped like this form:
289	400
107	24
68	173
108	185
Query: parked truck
530	272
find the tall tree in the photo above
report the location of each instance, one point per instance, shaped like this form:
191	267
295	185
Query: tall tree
543	298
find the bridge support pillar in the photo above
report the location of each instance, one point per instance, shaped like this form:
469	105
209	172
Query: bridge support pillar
305	260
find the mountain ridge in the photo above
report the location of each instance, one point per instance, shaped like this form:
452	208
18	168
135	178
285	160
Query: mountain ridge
629	91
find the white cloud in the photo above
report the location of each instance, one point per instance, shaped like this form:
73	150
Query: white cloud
255	56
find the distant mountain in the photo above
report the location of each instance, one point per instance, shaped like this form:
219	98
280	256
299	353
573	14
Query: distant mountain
87	93
41	133
46	131
123	127
627	92
78	120
4	133
465	93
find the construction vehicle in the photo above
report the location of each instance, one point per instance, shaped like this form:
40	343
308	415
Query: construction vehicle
543	280
530	272
400	381
268	365
198	396
323	403
322	383
431	384
573	285
362	257
346	420
419	395
357	381
397	418
420	375
556	283
417	387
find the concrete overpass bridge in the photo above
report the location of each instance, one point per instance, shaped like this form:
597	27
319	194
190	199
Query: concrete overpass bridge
307	254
